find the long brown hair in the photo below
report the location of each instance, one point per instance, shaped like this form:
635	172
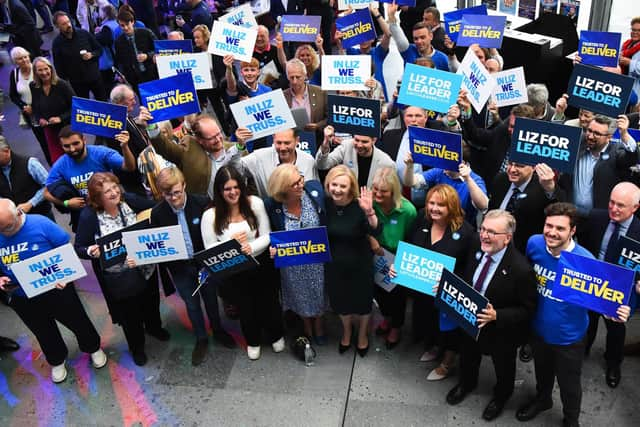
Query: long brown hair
222	209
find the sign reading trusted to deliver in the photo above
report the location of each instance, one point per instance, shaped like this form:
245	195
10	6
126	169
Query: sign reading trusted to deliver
599	48
299	247
345	72
228	39
460	302
264	114
154	245
225	259
485	30
429	88
356	28
170	97
599	91
357	116
419	268
172	47
453	20
97	118
537	141
300	28
435	148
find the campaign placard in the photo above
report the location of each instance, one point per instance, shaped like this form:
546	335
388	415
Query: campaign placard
410	3
537	141
170	97
596	285
435	148
476	79
353	4
264	115
453	19
198	64
241	16
634	133
419	268
229	39
225	259
357	116
172	47
300	28
429	88
300	247
155	245
629	253
511	87
599	91
112	250
460	302
599	48
345	72
39	274
381	267
97	118
356	28
307	142
485	30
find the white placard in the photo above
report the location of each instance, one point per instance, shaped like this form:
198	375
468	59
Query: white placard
264	115
355	4
40	273
198	63
154	245
229	39
381	265
241	16
476	79
345	72
511	87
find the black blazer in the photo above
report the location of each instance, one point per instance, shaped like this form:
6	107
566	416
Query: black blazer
591	232
125	58
529	210
634	121
488	147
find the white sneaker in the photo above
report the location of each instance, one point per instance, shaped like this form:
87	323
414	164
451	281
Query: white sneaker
253	352
99	359
278	346
58	373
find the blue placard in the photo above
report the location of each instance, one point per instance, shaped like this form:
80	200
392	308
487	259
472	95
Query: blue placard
429	88
357	116
300	28
307	142
97	118
599	48
537	141
225	259
299	247
356	28
170	97
486	30
410	3
629	257
435	148
172	47
596	285
460	302
419	268
453	20
635	134
599	91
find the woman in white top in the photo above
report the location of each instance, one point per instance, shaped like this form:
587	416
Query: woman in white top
237	215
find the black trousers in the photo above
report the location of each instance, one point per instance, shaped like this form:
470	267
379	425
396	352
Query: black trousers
565	363
425	324
392	304
40	314
139	313
96	87
616	332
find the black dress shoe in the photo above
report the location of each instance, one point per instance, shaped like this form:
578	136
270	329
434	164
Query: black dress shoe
532	409
526	353
222	337
457	394
363	351
140	358
570	423
161	334
199	352
343	348
7	344
613	376
493	409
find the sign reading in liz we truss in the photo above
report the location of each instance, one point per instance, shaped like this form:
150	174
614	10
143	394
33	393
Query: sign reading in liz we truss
40	273
172	47
429	88
476	79
453	20
345	72
170	97
300	28
420	269
228	39
225	259
112	250
410	3
381	267
599	48
435	148
356	28
154	245
460	302
198	64
264	115
97	118
485	30
353	4
596	285
299	247
511	87
599	91
241	16
537	141
357	116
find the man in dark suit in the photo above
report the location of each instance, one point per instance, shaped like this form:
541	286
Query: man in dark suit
634	120
600	235
17	21
134	52
504	276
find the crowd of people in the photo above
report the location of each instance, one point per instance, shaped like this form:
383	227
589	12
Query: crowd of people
505	223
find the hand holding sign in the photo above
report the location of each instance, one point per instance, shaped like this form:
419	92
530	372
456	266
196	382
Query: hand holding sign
487	315
623	312
122	138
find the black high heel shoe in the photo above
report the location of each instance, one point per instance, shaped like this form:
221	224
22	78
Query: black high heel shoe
363	351
343	348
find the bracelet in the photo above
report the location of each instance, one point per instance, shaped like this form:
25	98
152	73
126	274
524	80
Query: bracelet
453	123
241	147
66	203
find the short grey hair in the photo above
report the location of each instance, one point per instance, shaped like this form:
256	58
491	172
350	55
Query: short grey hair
18	52
295	62
4	145
604	120
538	94
119	93
509	220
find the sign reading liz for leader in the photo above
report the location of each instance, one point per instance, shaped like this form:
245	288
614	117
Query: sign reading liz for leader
357	116
435	148
420	269
225	259
299	247
599	91
264	115
40	273
170	97
155	245
429	88
536	141
97	118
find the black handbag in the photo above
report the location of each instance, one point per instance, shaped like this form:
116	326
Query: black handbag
125	284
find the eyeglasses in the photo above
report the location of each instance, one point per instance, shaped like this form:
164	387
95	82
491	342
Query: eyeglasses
212	137
593	132
173	194
635	30
491	233
298	183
